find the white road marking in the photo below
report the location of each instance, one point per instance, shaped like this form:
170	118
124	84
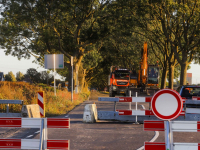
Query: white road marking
153	139
29	136
37	131
143	107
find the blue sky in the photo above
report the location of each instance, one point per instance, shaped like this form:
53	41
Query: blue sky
10	63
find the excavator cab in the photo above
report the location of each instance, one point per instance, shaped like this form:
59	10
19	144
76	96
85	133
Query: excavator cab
153	75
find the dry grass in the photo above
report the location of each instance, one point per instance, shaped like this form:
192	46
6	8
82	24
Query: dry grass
54	105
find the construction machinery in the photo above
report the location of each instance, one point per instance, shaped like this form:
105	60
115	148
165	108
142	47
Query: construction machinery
118	81
147	77
121	80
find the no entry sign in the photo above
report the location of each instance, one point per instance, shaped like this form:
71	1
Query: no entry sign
166	104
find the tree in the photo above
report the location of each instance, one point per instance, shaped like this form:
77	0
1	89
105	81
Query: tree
180	27
10	77
173	26
19	76
33	74
42	27
46	77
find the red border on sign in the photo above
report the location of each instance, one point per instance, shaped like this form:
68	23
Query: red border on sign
178	110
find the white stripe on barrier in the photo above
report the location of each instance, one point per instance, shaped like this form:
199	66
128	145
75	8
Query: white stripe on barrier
138	99
192	110
31	122
138	112
185	126
30	143
186	146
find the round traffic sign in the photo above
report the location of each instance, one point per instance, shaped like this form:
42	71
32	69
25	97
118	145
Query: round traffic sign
166	104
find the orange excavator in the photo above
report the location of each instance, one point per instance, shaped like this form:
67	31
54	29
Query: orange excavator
147	77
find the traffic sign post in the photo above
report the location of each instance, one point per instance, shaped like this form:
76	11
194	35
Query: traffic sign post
54	61
167	105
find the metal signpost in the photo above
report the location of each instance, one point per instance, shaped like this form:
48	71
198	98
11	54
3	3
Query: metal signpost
72	79
54	61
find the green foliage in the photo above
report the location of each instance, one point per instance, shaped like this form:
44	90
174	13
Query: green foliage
10	77
33	75
43	27
19	76
99	34
92	59
39	77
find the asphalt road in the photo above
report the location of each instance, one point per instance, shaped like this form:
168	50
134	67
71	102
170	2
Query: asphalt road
101	135
110	135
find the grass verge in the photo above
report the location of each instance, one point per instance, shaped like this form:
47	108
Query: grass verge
54	105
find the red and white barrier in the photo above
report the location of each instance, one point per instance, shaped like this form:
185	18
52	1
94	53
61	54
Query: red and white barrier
195	97
140	113
34	123
135	99
176	146
58	144
32	144
135	112
40	102
154	146
176	126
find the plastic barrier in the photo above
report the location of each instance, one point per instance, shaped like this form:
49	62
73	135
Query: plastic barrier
40	102
43	124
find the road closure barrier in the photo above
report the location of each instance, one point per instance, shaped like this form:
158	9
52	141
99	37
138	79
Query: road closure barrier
40	102
43	142
190	109
90	113
129	115
176	126
167	112
8	102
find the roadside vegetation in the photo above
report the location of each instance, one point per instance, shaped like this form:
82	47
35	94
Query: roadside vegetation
97	34
54	105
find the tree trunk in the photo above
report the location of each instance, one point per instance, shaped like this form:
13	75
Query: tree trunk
83	79
164	77
171	76
69	78
183	73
